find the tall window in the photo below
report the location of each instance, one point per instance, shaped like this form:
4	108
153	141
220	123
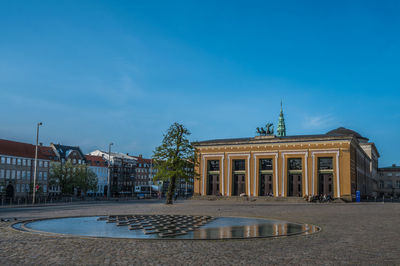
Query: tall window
40	163
265	164
3	160
19	161
239	165
325	163
295	164
8	160
24	162
2	175
12	174
213	165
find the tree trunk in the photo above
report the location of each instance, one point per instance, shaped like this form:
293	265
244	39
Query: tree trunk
171	190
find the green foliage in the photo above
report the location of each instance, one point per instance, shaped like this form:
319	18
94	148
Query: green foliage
175	158
69	176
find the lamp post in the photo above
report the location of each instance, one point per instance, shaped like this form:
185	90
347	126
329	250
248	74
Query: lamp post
109	171
36	153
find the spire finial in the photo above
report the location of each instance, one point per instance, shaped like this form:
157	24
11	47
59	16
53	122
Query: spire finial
281	124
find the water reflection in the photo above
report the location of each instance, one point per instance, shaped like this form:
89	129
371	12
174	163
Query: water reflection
219	228
269	229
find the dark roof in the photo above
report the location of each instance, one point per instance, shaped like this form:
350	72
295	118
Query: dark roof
390	168
20	149
341	131
64	150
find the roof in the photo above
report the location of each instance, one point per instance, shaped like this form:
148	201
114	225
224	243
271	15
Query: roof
97	161
271	139
64	151
143	160
26	150
336	134
341	131
390	168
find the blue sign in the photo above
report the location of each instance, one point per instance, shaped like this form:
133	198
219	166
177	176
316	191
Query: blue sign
358	196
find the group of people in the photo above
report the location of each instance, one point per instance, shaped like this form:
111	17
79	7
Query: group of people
318	198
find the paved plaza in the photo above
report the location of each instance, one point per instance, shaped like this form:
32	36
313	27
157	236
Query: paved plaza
364	233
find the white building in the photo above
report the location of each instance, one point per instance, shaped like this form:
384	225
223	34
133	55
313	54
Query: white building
99	166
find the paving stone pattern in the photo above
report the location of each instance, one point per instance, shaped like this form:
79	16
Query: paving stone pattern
352	234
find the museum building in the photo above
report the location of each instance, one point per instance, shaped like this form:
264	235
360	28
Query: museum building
337	163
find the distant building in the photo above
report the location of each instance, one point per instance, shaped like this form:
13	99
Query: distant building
65	153
123	172
100	167
144	171
17	169
389	181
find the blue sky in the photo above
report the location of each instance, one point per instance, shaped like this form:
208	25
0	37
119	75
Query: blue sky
96	72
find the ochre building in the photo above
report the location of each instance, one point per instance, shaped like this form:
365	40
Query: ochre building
337	163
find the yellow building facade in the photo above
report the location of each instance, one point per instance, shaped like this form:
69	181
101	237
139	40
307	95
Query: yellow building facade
334	164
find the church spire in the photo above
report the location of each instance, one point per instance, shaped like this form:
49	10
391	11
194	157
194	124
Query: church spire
281	124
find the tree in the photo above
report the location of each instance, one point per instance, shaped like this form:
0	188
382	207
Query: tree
69	177
175	158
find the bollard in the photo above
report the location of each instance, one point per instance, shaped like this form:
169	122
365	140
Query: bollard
383	199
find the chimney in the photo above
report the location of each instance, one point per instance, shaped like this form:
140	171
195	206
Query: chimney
127	153
140	156
41	143
394	165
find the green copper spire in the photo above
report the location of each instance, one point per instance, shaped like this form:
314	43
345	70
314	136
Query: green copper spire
281	124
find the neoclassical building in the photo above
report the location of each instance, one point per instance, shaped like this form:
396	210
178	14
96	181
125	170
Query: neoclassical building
337	163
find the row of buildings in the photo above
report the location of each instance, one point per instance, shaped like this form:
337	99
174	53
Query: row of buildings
17	169
338	163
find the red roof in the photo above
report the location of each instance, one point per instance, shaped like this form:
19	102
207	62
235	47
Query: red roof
20	149
143	160
95	161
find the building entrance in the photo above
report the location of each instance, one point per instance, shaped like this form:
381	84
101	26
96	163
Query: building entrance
213	185
10	192
266	185
213	178
325	186
325	176
294	188
295	185
239	184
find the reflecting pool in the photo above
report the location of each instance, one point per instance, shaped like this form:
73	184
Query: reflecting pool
167	227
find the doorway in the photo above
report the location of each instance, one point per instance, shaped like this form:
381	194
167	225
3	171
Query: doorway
213	185
266	185
325	186
239	184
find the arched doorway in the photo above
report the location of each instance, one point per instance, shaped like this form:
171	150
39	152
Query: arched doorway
9	192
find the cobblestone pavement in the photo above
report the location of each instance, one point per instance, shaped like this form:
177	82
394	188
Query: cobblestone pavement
364	233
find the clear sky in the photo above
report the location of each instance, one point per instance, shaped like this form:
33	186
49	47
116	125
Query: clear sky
96	72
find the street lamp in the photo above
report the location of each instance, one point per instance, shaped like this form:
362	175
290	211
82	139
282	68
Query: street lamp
109	170
36	152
